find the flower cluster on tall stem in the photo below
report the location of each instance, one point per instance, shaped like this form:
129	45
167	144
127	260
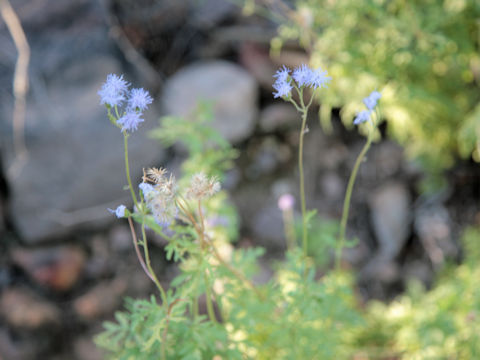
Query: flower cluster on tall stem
299	79
370	116
128	107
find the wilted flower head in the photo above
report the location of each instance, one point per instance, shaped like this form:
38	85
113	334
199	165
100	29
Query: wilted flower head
286	202
113	90
119	211
160	203
155	175
130	120
163	207
139	99
202	187
371	100
362	116
168	186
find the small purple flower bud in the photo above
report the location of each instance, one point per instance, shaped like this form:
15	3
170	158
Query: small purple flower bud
362	116
130	120
119	211
286	202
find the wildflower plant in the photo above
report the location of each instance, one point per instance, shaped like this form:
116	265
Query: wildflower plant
370	118
300	79
283	318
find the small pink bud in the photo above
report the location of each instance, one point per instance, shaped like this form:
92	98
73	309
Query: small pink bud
286	202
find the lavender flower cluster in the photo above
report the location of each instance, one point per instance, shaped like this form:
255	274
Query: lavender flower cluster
370	102
302	75
115	92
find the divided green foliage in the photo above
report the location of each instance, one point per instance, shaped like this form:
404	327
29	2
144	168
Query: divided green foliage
207	150
300	318
423	57
139	332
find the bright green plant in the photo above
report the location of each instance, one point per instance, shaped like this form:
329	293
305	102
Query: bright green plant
422	54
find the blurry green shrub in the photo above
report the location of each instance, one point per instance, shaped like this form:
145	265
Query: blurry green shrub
423	56
440	324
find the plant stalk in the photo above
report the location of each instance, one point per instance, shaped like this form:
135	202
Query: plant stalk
127	169
348	195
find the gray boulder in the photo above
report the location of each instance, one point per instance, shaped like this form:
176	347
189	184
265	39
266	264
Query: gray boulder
75	168
232	90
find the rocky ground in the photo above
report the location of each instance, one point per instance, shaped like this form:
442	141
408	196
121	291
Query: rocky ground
66	263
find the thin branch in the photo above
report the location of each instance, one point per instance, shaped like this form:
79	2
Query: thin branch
20	85
137	250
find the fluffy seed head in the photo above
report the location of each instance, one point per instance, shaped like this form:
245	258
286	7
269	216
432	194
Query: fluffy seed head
202	187
155	175
167	186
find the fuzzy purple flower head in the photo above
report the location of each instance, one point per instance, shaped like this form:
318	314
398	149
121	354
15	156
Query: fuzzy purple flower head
362	117
371	100
284	88
113	90
318	78
130	120
146	189
139	99
282	74
302	75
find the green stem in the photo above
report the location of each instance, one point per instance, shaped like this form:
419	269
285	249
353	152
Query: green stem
195	307
348	195
127	169
163	294
302	184
208	295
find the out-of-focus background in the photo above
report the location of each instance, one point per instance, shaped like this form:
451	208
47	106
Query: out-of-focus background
66	263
